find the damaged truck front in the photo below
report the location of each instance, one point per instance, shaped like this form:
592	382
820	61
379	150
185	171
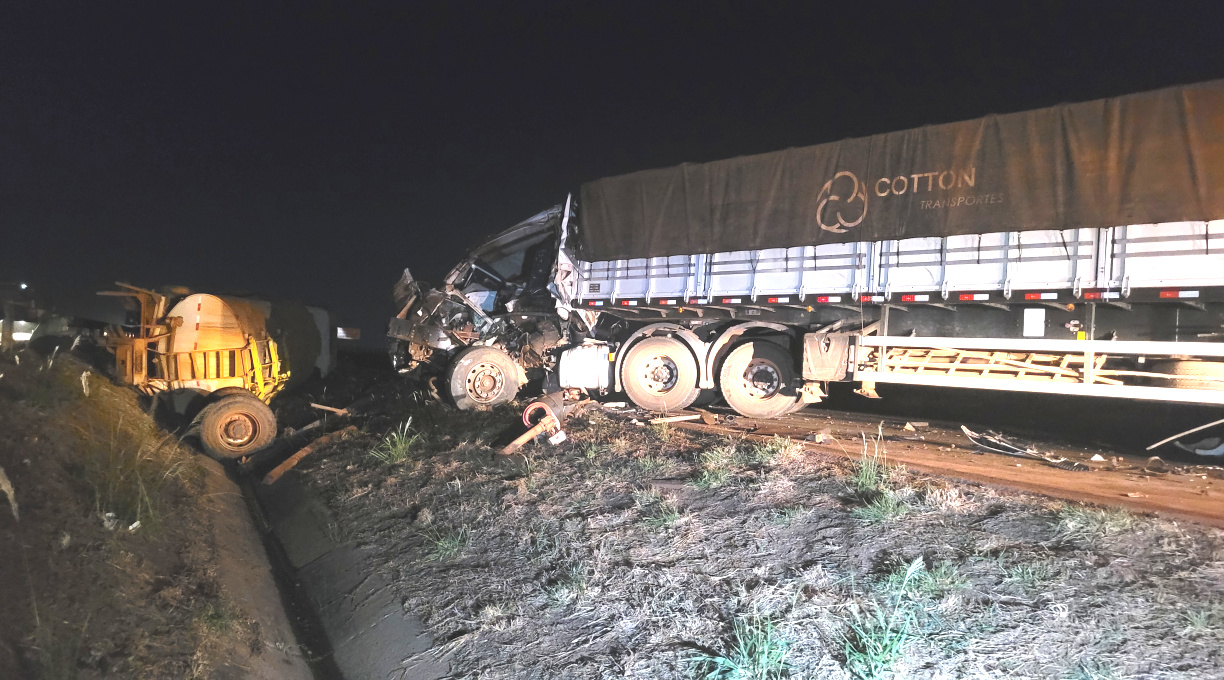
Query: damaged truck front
493	325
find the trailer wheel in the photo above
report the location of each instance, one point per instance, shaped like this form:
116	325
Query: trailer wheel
1191	374
482	377
236	425
757	380
660	374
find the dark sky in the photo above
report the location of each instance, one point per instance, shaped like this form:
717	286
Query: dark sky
313	150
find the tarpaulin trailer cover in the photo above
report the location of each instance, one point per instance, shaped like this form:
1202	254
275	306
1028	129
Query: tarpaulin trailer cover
1139	159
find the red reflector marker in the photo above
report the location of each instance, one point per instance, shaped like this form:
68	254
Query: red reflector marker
1092	295
907	298
1168	293
822	298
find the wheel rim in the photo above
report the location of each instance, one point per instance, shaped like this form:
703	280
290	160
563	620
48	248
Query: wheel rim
485	382
238	430
761	379
659	374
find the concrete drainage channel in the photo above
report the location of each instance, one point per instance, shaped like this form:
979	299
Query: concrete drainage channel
344	613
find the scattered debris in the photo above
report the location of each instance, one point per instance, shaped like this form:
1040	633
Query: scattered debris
1212	446
85	382
544	416
675	419
548	424
614	404
821	437
337	411
912	426
1136	494
1097	458
997	443
7	487
706	417
1179	435
110	521
1156	464
296	458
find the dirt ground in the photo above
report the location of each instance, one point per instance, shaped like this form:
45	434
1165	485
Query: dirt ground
111	565
654	552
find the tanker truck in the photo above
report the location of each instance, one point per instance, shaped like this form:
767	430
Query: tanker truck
1076	250
220	359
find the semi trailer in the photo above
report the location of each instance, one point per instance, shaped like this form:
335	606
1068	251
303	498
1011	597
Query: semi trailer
1076	249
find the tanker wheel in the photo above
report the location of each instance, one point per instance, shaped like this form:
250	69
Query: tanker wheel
1191	374
757	380
236	425
660	374
481	378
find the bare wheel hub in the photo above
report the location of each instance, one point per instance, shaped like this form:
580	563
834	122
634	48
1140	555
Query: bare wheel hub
761	379
239	429
659	374
485	382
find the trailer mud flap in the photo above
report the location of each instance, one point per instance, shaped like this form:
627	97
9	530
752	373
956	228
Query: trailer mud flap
825	356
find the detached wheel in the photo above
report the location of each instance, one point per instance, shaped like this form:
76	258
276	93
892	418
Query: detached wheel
236	425
660	374
482	377
757	380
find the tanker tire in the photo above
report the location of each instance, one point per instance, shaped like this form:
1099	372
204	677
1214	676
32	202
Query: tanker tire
660	374
1190	374
757	380
235	426
481	378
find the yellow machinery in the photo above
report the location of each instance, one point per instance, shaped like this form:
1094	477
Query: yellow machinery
205	345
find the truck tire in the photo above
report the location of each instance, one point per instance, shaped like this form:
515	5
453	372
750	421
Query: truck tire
660	374
1193	372
481	378
236	425
757	380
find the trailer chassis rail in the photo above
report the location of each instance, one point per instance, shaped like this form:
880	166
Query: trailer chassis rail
1073	367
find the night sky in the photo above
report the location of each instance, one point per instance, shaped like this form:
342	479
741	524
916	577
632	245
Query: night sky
312	150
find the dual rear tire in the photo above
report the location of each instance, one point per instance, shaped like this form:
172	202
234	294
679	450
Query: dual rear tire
757	378
660	374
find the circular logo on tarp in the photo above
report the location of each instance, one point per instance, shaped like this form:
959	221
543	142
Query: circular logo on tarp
833	209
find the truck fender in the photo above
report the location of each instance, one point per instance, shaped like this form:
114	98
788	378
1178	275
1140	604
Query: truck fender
722	345
688	337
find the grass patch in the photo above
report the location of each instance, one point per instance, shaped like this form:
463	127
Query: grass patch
1090	524
875	640
128	466
765	453
662	432
1029	574
884	507
757	652
216	618
445	544
922	583
657	511
654	466
717	464
785	517
397	446
570	587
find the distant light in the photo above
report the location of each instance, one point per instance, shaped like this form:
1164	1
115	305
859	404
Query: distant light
348	333
22	336
24	286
